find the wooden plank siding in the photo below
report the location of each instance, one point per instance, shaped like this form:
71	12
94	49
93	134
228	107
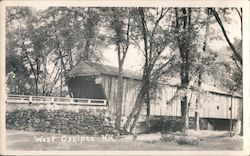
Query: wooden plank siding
130	90
164	93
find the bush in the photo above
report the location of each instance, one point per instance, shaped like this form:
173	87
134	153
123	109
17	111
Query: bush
186	140
172	124
165	125
167	137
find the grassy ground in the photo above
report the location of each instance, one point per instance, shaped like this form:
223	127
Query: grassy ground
24	140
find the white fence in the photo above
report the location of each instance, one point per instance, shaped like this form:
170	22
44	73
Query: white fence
29	99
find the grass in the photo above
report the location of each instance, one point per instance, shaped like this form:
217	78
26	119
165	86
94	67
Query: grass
25	140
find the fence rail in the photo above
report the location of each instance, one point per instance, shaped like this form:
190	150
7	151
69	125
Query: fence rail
29	99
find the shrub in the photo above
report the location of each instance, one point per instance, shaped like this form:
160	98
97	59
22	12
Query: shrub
164	125
172	124
183	140
167	137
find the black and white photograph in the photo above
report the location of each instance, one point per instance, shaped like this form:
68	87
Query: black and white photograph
124	78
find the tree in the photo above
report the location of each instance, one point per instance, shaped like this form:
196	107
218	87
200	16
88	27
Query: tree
201	69
191	35
51	42
216	60
120	24
236	49
19	81
237	54
91	34
154	34
184	39
22	39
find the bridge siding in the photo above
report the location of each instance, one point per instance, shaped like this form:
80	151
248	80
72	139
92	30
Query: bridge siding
163	94
130	88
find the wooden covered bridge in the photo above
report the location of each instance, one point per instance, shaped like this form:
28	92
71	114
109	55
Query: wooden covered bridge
97	81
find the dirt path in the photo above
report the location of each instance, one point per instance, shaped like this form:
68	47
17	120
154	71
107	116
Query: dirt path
24	140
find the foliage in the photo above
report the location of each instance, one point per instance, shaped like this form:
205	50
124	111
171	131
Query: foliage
153	32
188	141
47	44
172	124
58	37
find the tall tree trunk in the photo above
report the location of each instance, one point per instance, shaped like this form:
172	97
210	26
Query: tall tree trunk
183	45
148	110
185	99
122	49
37	73
141	99
36	83
117	25
198	103
146	69
86	50
62	69
89	26
231	116
119	94
241	118
137	115
185	115
138	104
61	81
241	125
184	85
201	71
197	120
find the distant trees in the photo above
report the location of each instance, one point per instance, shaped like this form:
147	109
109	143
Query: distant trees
26	41
49	43
74	37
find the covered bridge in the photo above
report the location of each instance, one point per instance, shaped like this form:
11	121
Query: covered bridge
97	81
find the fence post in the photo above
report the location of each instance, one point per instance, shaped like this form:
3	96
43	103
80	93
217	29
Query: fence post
52	100
30	99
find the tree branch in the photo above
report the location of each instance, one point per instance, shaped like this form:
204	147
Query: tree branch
240	15
237	55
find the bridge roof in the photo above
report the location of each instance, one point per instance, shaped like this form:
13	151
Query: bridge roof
90	68
213	89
